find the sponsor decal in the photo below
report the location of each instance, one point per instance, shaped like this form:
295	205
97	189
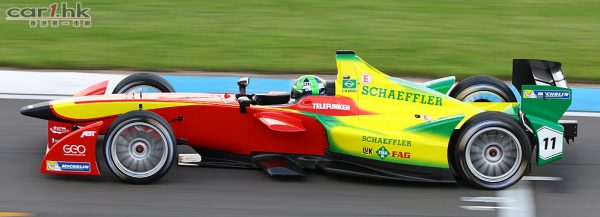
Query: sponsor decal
401	154
88	133
367	151
401	95
382	152
331	106
74	150
547	94
59	130
53	140
386	141
54	15
365	79
64	166
349	85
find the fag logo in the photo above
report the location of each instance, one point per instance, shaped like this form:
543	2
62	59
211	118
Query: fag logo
382	152
399	154
88	133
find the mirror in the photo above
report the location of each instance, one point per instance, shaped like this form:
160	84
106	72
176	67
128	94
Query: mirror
243	83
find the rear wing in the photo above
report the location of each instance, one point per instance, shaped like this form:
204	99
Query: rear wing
545	98
537	72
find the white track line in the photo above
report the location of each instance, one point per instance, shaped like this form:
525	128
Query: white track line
52	83
522	201
516	201
32	96
582	114
542	178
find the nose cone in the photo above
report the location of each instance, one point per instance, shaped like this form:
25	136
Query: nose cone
39	110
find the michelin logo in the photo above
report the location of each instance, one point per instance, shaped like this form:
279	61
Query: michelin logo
62	166
547	94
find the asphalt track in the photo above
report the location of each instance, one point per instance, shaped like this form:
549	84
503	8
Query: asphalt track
189	191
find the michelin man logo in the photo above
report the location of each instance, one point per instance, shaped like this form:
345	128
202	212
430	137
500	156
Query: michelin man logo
529	94
53	166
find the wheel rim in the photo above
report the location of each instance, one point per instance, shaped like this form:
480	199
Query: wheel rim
143	89
483	96
493	154
139	149
481	93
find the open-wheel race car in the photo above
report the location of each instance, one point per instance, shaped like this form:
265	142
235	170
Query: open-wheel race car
365	123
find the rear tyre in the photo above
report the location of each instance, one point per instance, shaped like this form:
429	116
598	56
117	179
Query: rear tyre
493	151
139	147
143	82
482	88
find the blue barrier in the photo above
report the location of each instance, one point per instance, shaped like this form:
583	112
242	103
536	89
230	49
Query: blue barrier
584	99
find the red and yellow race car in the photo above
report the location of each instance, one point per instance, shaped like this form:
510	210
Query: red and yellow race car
364	123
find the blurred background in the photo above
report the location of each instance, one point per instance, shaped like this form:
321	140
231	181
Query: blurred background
415	38
425	38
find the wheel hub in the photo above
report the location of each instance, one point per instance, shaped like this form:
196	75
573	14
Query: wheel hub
139	149
493	153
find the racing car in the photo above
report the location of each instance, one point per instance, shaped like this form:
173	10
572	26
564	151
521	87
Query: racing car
363	123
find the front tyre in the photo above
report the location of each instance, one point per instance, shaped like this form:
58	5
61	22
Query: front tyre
493	151
139	147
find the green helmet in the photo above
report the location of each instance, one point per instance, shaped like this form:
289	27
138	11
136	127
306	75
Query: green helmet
307	85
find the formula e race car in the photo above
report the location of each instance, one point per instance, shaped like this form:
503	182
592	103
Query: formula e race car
365	123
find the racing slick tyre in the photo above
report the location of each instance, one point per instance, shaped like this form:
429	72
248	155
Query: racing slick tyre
482	88
143	82
492	151
139	147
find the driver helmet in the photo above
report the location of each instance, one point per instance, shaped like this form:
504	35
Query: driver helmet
307	85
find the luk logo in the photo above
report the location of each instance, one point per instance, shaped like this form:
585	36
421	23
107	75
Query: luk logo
52	16
382	152
88	133
74	150
367	151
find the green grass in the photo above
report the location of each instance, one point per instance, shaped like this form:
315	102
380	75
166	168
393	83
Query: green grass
417	37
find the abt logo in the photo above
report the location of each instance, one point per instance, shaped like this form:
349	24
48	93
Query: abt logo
88	133
74	150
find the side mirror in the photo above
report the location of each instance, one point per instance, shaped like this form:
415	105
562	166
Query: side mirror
243	83
244	102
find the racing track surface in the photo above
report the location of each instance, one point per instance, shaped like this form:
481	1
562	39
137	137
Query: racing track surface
189	191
